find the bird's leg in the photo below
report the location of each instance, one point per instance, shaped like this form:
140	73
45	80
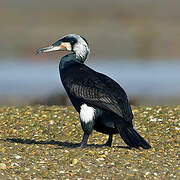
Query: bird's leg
109	141
87	128
84	140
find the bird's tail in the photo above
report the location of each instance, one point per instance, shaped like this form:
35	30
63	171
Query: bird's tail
132	138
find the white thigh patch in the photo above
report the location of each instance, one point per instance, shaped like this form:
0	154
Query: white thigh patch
87	113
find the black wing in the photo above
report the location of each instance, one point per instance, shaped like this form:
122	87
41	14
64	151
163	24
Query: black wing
96	90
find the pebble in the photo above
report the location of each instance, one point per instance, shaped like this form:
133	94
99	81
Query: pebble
51	122
61	172
155	174
17	157
135	170
147	173
14	164
42	162
74	161
151	119
3	166
100	159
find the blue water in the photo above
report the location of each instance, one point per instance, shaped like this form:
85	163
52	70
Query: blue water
27	78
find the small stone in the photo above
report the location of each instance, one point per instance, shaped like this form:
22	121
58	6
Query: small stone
155	174
14	164
151	119
17	157
83	166
61	172
27	169
74	161
42	162
51	122
100	159
135	170
147	173
106	153
3	166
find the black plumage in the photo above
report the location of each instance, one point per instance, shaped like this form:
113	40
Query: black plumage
85	85
101	102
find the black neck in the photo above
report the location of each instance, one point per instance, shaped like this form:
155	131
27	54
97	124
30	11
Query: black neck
68	60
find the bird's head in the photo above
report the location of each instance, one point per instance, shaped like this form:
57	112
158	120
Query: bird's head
72	42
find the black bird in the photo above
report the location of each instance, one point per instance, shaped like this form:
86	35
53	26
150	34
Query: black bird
101	102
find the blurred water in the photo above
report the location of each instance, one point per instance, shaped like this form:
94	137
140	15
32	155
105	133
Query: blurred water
33	79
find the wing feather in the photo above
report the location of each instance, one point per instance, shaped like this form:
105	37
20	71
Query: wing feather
97	90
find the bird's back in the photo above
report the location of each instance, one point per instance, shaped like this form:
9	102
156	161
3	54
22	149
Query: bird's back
84	85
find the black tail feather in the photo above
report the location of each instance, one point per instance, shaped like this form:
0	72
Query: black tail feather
132	138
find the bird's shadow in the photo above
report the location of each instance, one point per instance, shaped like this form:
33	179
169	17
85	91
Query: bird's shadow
57	143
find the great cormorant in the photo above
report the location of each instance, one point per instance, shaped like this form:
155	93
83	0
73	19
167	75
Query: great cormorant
101	102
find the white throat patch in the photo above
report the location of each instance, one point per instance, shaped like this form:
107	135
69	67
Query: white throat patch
86	113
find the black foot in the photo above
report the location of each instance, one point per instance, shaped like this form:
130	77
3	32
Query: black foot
84	140
109	141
